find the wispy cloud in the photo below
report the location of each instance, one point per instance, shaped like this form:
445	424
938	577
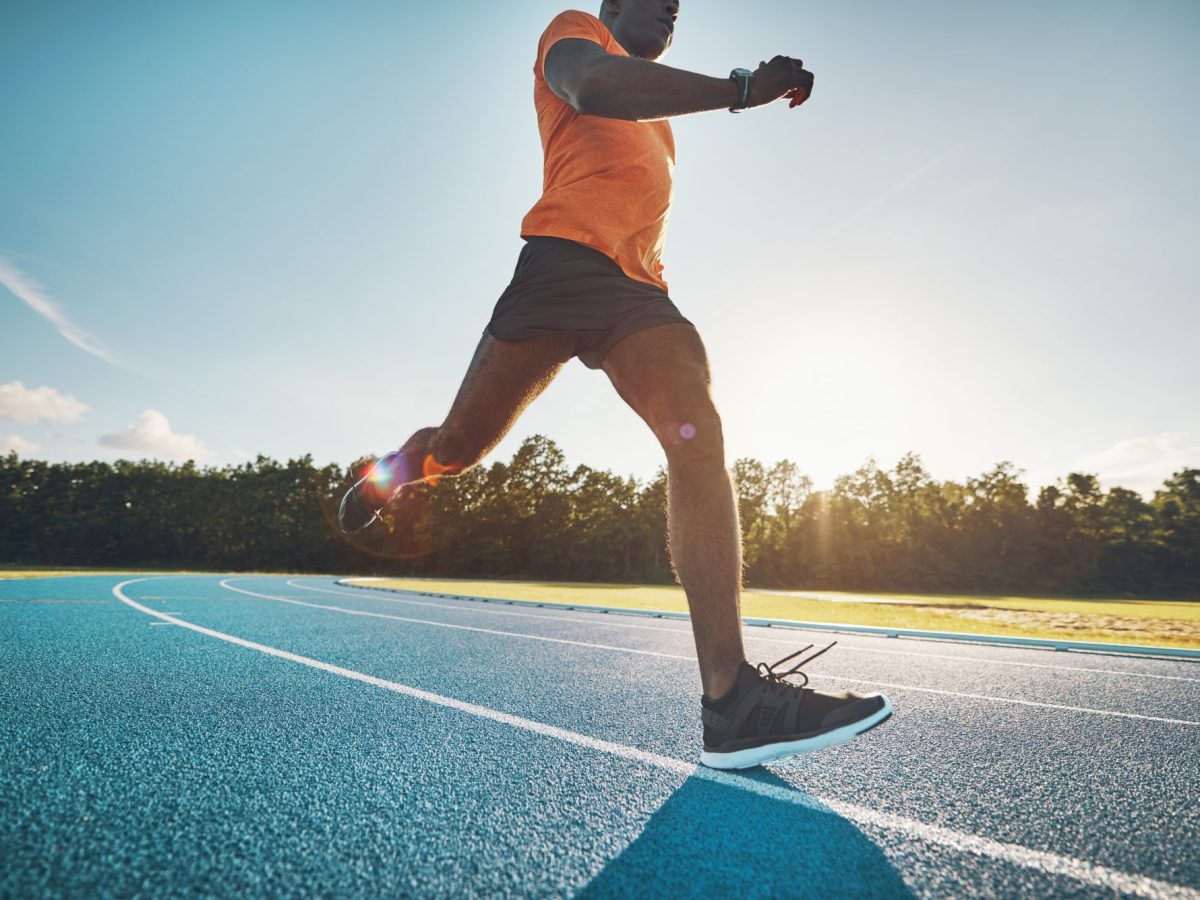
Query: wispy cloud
14	443
35	297
43	404
899	186
1141	464
152	435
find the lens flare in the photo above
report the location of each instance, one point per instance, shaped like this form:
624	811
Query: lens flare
687	431
386	476
404	532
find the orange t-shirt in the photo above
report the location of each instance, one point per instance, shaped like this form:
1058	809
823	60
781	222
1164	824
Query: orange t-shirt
607	182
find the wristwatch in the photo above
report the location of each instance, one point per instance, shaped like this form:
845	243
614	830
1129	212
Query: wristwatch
744	79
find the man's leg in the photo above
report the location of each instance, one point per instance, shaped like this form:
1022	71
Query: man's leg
662	373
503	378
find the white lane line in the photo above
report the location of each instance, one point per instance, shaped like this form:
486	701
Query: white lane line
1008	662
860	681
1039	860
1038	703
749	633
374	615
152	624
487	607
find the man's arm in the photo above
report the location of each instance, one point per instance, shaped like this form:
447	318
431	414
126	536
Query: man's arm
596	83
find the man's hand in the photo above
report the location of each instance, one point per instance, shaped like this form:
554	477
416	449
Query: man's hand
781	77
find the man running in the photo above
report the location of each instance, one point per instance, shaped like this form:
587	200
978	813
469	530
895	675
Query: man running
588	283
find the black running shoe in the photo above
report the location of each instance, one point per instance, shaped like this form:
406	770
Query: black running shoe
766	717
370	494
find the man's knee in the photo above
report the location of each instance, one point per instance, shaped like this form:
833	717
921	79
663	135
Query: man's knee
453	450
695	439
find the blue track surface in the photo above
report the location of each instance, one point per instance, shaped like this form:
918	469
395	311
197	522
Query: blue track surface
275	735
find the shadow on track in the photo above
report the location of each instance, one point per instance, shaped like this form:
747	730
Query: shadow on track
714	840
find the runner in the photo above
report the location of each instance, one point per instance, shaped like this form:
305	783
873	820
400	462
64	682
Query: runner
589	284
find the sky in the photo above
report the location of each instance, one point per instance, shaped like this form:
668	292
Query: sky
230	229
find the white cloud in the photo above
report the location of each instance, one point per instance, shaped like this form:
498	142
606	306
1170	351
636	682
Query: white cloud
152	435
1141	464
32	405
35	297
14	443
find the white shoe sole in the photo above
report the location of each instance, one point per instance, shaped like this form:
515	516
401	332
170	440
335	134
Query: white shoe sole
756	756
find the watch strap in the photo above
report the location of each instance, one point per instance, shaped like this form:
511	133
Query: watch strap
744	79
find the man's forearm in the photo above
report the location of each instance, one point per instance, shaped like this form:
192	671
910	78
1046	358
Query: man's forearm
637	90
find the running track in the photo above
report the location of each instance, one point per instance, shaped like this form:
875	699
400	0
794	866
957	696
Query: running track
272	735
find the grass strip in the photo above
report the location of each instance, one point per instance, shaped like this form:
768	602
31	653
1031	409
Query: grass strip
1165	623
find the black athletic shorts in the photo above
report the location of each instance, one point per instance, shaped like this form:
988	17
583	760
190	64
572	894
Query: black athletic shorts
562	287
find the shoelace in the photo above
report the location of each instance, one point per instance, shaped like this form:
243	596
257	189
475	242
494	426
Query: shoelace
779	678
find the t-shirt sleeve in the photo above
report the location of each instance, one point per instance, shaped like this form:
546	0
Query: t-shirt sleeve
570	24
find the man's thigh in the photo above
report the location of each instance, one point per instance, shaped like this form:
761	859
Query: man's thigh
663	374
502	379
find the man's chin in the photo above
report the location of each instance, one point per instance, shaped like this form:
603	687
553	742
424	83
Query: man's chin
654	51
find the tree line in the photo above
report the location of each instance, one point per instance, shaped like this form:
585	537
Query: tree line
534	516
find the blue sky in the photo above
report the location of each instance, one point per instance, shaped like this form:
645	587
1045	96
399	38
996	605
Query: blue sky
230	228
